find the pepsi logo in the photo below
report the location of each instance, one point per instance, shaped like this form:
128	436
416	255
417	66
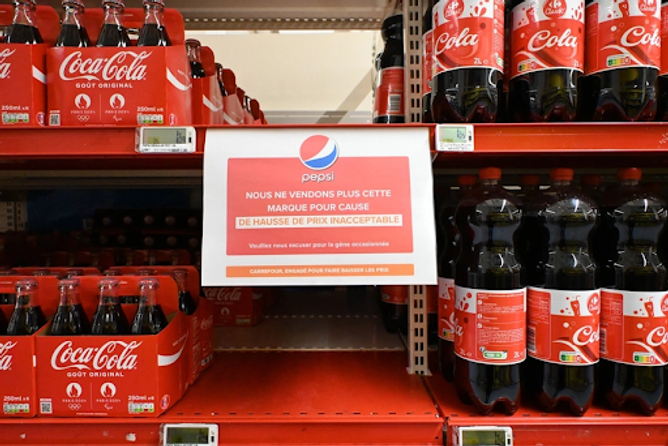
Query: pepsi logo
319	152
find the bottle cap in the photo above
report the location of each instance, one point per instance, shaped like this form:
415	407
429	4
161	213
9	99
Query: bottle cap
118	3
561	174
591	180
157	2
630	173
467	180
77	3
529	180
193	42
108	283
490	173
68	283
32	3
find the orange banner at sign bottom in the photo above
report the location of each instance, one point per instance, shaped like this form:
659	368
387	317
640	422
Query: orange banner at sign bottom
321	270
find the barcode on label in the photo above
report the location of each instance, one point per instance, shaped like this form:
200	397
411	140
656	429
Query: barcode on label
180	137
45	407
394	103
531	339
603	339
54	119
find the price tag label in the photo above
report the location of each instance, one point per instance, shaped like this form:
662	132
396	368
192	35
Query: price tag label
483	435
166	140
454	138
186	434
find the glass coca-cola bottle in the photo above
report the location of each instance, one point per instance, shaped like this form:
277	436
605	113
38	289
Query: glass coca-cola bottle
70	318
186	302
194	49
149	318
7	298
27	317
153	33
72	31
109	318
113	31
219	75
24	27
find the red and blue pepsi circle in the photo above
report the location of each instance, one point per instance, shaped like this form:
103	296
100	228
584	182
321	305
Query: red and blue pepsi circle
319	152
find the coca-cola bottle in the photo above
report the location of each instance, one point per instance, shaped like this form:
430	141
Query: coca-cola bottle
564	310
662	85
109	318
490	309
70	318
72	32
591	186
427	55
149	318
24	27
113	31
153	33
194	50
468	61
394	308
622	60
634	309
547	59
531	237
446	275
219	75
27	317
186	302
389	100
73	272
7	298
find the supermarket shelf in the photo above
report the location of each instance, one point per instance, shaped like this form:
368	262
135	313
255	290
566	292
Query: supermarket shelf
530	426
315	319
295	398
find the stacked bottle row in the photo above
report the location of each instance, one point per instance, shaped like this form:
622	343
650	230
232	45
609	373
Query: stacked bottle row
554	294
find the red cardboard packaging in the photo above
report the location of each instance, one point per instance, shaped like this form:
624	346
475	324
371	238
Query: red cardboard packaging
235	307
17	367
121	86
23	72
114	376
59	271
207	97
233	112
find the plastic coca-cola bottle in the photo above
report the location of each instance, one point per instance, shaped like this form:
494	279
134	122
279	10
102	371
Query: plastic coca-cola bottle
446	275
662	86
153	33
70	318
24	27
186	302
564	310
72	32
427	55
149	318
591	186
531	237
109	318
27	317
634	312
490	309
194	50
394	308
622	60
468	60
389	100
113	31
547	59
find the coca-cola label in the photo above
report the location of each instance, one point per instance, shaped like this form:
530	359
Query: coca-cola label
389	93
563	326
394	294
427	54
468	34
446	309
5	356
621	34
547	34
113	355
634	327
664	39
223	294
490	326
23	85
5	63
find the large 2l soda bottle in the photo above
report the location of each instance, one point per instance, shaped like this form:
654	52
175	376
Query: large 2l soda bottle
70	318
153	33
622	60
563	311
490	307
446	275
72	32
531	237
634	312
113	31
467	66
24	26
388	105
547	59
27	317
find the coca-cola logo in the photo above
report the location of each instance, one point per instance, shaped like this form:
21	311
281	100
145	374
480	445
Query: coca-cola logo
545	39
224	294
454	9
206	323
554	8
648	7
586	335
122	66
657	337
5	67
114	355
664	304
594	304
5	358
637	35
461	41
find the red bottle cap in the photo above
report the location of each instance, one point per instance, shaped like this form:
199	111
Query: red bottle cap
490	173
591	180
561	174
467	180
529	180
630	173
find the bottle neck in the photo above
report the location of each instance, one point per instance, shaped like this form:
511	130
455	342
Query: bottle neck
154	15
148	296
26	298
629	183
24	14
113	15
490	182
561	183
180	279
69	297
73	16
108	297
194	53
